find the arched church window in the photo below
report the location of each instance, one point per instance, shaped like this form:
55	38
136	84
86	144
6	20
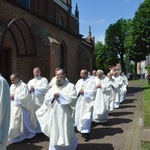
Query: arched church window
61	22
62	57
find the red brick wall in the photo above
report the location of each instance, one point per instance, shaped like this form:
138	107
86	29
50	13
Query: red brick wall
47	57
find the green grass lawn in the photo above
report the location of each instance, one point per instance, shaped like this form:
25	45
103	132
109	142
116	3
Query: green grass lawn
145	145
146	88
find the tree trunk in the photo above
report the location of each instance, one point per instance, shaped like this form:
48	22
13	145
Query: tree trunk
122	63
135	70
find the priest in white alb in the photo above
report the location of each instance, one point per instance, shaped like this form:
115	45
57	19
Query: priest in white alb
86	90
23	119
56	116
102	99
124	86
4	112
112	92
118	87
38	87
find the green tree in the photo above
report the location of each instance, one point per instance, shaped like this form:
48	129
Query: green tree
141	31
100	54
133	52
104	57
115	37
138	39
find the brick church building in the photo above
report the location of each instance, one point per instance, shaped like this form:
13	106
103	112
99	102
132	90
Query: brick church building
45	34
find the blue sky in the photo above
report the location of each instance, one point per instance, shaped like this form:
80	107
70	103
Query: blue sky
99	14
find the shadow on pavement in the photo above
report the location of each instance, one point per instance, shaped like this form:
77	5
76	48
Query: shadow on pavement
116	114
94	146
28	144
125	106
24	146
112	121
99	133
127	101
117	121
135	89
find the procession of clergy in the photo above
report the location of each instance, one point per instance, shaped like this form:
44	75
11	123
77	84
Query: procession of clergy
56	108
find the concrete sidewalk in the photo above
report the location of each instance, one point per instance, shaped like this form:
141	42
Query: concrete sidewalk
123	131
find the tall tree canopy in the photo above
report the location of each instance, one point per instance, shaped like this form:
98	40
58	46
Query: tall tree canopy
104	57
115	37
100	55
140	34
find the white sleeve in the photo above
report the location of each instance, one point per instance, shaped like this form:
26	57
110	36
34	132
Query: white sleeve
61	100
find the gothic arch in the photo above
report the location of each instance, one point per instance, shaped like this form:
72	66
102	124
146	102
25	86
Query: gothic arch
20	33
63	55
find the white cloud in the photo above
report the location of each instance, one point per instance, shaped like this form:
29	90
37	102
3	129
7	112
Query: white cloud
100	38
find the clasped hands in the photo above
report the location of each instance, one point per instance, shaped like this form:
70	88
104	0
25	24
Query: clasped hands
32	88
81	91
99	85
56	96
12	97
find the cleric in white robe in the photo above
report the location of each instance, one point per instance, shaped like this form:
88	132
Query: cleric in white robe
4	112
118	86
56	116
102	98
112	92
22	120
86	90
124	87
38	87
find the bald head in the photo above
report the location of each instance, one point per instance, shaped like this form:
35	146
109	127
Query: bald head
36	72
84	74
14	78
109	75
99	73
94	72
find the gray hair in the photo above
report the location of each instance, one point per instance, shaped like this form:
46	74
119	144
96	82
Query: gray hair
100	71
37	68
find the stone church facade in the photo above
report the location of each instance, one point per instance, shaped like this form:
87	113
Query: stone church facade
45	34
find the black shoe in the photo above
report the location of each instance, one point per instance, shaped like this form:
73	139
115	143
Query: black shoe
94	124
86	137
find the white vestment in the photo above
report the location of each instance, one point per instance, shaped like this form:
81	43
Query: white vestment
56	117
93	77
23	119
118	86
102	99
4	112
52	82
41	87
112	95
123	88
84	106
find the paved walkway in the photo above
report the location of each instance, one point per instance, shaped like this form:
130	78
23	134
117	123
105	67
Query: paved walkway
122	132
